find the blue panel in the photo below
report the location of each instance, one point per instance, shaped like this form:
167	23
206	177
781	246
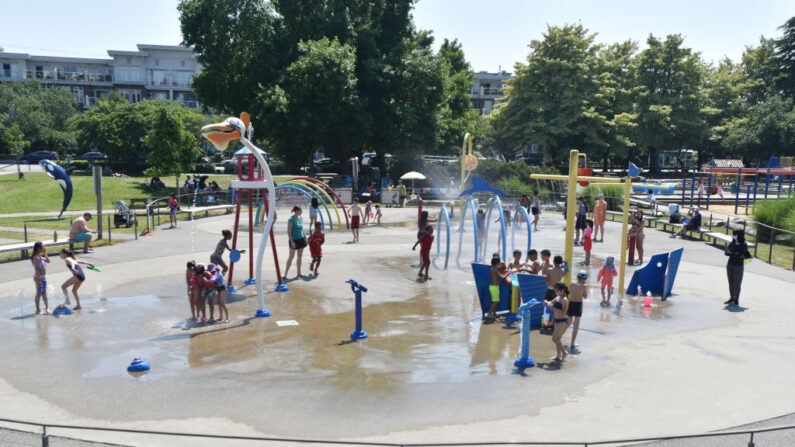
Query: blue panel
673	267
482	274
651	277
533	287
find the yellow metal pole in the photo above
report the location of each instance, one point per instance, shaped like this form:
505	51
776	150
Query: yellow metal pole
571	203
464	153
579	178
623	267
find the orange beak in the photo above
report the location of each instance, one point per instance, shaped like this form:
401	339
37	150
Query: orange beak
220	134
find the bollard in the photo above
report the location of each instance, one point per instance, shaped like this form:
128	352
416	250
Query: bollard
525	361
135	221
110	239
357	290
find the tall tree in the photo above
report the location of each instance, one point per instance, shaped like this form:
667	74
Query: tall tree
172	147
15	140
670	99
785	56
40	113
555	96
456	116
615	67
759	72
766	129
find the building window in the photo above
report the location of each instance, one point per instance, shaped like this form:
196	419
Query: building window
129	60
157	77
157	62
182	78
182	63
39	72
10	70
132	95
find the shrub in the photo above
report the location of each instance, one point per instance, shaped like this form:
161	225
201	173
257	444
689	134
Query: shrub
778	213
614	196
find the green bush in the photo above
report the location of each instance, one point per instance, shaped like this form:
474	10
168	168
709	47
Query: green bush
614	196
778	213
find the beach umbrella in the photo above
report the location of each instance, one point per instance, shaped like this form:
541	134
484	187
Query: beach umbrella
412	175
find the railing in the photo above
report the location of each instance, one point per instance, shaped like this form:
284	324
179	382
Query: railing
45	441
71	76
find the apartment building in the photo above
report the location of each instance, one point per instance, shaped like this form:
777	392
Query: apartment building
152	72
488	88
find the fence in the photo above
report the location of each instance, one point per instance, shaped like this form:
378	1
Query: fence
751	433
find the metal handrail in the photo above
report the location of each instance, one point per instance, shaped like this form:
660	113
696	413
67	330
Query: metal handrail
750	431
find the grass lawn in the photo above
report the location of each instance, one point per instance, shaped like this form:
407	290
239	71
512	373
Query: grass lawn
39	193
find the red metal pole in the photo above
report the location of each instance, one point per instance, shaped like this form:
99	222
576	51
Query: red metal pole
250	237
234	238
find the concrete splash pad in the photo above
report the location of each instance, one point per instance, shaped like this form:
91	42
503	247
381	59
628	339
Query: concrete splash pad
429	371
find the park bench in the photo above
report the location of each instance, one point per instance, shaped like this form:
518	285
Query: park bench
205	209
725	238
24	247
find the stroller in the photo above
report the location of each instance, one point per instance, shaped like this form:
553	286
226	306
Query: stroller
124	215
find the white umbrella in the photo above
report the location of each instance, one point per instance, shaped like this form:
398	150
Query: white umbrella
412	175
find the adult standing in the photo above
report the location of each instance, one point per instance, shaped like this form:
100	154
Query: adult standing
737	251
295	232
599	214
80	232
535	209
631	233
402	193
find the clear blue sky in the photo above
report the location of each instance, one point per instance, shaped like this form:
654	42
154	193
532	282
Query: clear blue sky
493	33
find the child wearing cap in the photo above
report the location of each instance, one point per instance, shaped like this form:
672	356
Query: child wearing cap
606	274
578	291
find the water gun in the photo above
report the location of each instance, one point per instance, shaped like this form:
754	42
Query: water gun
94	268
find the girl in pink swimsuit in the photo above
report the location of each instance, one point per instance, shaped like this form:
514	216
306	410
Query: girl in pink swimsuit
606	274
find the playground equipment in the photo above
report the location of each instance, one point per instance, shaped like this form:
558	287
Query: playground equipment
320	190
220	134
138	365
571	204
248	171
658	276
58	174
357	289
527	286
468	164
773	172
525	361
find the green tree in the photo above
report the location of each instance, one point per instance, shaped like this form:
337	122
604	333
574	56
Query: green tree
40	113
555	98
15	140
785	58
615	67
172	147
759	72
670	99
766	129
456	116
316	104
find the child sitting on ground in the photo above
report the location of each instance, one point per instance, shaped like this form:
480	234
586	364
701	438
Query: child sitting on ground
425	241
587	242
316	239
605	276
499	272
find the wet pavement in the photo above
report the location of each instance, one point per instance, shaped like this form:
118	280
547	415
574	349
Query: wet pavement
429	361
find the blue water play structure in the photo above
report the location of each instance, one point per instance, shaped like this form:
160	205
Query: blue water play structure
357	289
526	311
657	276
530	287
138	365
469	207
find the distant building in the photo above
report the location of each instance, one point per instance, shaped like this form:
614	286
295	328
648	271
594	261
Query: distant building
487	90
152	72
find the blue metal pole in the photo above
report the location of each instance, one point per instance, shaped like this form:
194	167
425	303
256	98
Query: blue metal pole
737	190
357	290
747	198
780	178
767	182
700	182
789	194
692	187
684	188
756	185
709	188
525	361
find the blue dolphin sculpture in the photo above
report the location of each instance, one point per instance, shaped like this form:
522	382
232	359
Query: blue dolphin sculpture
58	174
480	185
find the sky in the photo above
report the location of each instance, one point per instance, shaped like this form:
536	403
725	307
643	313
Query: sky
494	34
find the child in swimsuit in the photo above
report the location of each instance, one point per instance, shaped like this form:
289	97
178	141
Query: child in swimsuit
368	212
217	256
77	277
606	274
200	295
559	307
220	289
426	242
40	261
208	289
316	240
578	291
173	205
499	272
355	212
587	242
378	215
192	286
